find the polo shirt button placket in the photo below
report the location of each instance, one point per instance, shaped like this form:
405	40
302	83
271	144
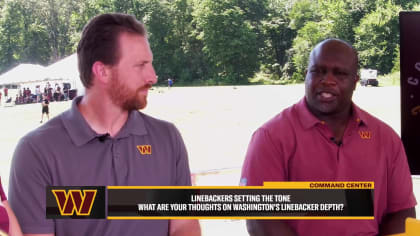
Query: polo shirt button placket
324	131
330	138
120	166
114	149
115	165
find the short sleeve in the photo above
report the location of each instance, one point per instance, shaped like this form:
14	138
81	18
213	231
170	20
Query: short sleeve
264	160
183	174
28	180
400	186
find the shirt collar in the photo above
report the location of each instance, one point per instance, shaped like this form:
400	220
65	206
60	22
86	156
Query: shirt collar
81	133
359	115
308	120
134	125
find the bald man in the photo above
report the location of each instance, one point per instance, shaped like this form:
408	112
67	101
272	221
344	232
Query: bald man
326	137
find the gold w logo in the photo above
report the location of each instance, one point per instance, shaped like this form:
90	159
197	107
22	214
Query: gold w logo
365	134
145	149
75	201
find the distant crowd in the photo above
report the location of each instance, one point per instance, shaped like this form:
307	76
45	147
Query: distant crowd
26	95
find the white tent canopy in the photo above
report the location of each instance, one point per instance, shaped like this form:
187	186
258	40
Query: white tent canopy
30	75
24	73
66	70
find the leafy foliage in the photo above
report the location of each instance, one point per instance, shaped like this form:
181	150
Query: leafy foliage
377	37
223	26
211	42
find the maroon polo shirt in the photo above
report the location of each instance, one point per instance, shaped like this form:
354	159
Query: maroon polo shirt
296	146
66	151
4	218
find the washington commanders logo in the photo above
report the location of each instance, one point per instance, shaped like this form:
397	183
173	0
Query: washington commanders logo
365	134
145	149
74	201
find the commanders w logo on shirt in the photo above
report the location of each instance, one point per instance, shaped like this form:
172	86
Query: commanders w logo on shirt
365	134
145	149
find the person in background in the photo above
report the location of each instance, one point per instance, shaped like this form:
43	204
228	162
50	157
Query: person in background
66	91
170	83
45	108
6	92
38	93
29	95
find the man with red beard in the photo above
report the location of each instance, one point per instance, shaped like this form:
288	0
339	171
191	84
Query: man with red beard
96	142
326	137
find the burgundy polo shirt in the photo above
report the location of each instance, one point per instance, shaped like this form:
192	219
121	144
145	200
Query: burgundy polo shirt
296	146
67	152
4	218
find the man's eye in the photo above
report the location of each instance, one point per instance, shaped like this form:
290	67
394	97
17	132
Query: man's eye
315	71
342	73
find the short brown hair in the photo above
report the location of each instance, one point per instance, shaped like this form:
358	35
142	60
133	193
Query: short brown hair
99	41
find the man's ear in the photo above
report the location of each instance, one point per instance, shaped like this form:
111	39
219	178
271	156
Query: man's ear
101	72
355	81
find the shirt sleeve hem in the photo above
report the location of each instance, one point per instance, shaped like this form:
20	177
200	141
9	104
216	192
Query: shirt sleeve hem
410	204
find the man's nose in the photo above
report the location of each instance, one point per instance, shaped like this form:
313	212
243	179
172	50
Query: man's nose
329	78
151	75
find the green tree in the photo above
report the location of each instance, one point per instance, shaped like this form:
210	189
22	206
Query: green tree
338	16
229	40
278	38
416	7
36	31
23	37
406	4
308	36
396	61
189	62
302	12
377	37
56	15
10	38
159	22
